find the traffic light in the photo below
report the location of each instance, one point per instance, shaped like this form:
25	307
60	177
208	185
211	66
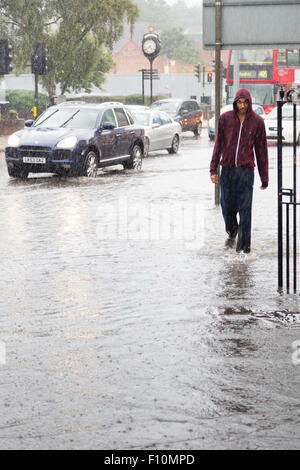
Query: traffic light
197	71
5	57
209	77
39	59
223	71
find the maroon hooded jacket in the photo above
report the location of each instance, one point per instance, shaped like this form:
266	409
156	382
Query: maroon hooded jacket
235	141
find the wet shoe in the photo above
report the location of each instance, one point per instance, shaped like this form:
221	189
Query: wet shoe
229	243
247	250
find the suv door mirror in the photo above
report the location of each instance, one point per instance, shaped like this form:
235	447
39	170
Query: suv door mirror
108	126
28	123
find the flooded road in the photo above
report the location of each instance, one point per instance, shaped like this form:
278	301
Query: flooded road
127	325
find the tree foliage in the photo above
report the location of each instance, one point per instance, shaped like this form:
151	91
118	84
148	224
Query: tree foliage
176	46
156	12
79	35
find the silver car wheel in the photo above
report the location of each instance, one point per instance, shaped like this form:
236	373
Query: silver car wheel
137	158
147	146
175	145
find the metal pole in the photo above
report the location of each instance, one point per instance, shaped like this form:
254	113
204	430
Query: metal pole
294	199
287	248
236	71
218	18
143	85
279	188
36	95
151	86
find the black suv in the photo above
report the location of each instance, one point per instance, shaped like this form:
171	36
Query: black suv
186	112
76	138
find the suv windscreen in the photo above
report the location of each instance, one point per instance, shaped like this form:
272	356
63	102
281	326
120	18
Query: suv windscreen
70	118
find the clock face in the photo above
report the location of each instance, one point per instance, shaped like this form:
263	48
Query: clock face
149	46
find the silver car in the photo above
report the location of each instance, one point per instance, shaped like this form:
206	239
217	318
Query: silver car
287	124
161	131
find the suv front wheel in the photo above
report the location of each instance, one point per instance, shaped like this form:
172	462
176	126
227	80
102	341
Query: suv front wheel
90	166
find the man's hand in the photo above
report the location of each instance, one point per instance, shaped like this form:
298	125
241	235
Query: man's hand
214	179
263	187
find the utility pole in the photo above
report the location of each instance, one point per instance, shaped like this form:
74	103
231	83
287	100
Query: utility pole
236	71
38	67
36	96
218	44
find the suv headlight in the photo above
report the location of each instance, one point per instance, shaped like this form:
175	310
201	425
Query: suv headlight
13	141
67	143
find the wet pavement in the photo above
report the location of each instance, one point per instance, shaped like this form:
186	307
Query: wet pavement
127	325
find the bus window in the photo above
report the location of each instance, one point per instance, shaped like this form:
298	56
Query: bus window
255	57
254	65
281	58
293	57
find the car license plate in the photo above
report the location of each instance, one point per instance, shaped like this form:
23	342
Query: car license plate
34	160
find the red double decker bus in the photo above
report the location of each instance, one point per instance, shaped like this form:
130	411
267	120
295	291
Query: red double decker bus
262	72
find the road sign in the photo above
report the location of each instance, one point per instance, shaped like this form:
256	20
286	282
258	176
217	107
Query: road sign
247	23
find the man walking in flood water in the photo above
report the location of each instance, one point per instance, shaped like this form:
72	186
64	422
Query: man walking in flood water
240	133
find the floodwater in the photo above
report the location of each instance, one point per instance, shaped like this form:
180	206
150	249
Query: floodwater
125	324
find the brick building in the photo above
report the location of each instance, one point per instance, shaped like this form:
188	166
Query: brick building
129	57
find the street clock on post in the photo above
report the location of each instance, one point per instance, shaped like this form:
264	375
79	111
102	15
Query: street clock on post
151	45
151	49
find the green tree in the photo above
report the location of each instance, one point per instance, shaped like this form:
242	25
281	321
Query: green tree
177	46
79	35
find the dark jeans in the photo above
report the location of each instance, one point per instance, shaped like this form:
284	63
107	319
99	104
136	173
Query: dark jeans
236	187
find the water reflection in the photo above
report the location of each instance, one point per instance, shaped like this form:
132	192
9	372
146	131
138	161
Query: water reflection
55	181
236	277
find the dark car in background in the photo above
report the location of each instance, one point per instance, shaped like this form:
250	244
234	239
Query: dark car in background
75	139
187	112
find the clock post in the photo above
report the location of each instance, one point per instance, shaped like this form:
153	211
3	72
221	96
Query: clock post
151	49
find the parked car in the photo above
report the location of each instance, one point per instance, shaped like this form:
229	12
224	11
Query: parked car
161	131
76	139
186	112
287	124
229	107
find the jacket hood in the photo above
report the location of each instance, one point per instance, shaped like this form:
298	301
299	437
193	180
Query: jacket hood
243	93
